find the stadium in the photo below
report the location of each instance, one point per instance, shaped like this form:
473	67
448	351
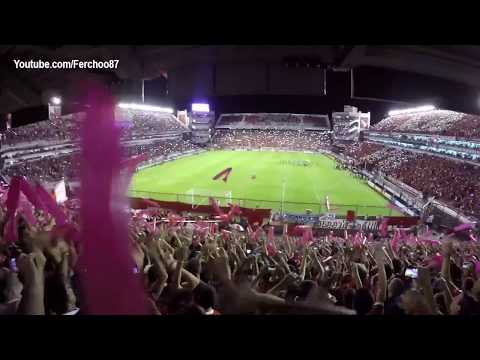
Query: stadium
315	175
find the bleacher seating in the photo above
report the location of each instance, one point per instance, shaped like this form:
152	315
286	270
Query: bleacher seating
273	121
134	124
439	122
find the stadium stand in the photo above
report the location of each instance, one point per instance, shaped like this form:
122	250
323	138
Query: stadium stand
54	168
274	121
454	182
220	263
438	122
286	139
134	125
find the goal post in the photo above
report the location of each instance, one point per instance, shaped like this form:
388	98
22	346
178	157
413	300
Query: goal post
196	197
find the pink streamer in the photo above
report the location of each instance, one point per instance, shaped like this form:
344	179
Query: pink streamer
109	285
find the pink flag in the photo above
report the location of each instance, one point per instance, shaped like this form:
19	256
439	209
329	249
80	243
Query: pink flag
463	227
31	195
201	229
224	218
213	228
271	247
13	196
10	233
226	234
27	212
216	208
384	227
234	211
51	205
307	235
270	235
174	219
436	262
256	234
249	231
109	284
477	267
395	241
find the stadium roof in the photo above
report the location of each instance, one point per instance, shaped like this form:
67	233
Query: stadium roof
27	87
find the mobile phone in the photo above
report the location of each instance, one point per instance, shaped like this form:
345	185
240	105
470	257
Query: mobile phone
249	251
13	264
411	273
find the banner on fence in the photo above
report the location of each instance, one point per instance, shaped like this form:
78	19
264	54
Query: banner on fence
328	221
364	225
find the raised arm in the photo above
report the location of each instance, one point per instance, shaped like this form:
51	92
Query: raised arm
379	257
425	283
181	255
31	267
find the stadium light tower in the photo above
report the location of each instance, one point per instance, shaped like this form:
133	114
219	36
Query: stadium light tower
411	110
143	107
55	100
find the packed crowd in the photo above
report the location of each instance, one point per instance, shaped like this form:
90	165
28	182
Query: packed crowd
134	124
456	183
55	168
439	122
138	124
271	120
291	139
55	130
217	264
213	268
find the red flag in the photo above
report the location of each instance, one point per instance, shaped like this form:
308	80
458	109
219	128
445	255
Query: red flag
224	174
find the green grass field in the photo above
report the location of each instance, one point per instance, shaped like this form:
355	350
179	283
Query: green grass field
189	180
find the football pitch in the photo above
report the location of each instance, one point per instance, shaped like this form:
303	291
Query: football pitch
293	181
